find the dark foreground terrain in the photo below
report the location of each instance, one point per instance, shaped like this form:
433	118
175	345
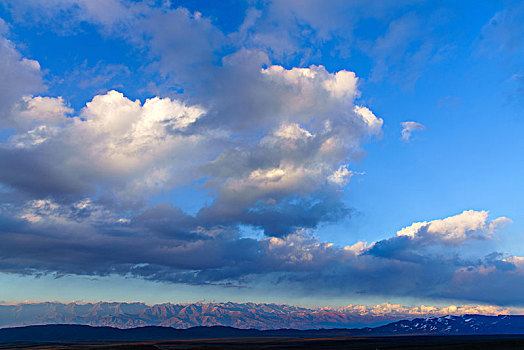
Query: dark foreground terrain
448	332
398	342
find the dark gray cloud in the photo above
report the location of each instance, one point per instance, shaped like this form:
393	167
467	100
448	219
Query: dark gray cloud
279	218
164	244
38	173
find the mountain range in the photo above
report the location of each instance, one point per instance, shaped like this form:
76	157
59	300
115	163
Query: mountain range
447	325
237	315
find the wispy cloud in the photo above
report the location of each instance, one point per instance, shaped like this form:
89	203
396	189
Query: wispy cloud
408	128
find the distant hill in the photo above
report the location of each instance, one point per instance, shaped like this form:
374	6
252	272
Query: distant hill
448	325
455	325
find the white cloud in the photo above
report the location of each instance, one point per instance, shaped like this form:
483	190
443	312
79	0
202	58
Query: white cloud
429	310
341	176
374	124
408	128
357	248
297	251
38	110
293	132
312	127
455	229
139	142
305	90
309	127
124	146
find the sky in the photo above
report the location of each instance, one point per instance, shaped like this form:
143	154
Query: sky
305	152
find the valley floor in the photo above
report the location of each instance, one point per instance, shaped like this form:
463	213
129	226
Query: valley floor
402	342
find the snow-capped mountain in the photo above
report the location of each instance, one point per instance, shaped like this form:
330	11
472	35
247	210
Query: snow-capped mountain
455	325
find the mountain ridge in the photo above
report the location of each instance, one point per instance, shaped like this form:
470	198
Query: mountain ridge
446	325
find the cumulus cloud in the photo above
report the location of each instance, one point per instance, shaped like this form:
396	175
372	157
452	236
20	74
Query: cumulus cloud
78	182
454	229
299	129
341	176
408	128
283	181
33	111
127	149
115	144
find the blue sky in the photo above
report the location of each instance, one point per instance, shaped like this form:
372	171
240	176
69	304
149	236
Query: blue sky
264	159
